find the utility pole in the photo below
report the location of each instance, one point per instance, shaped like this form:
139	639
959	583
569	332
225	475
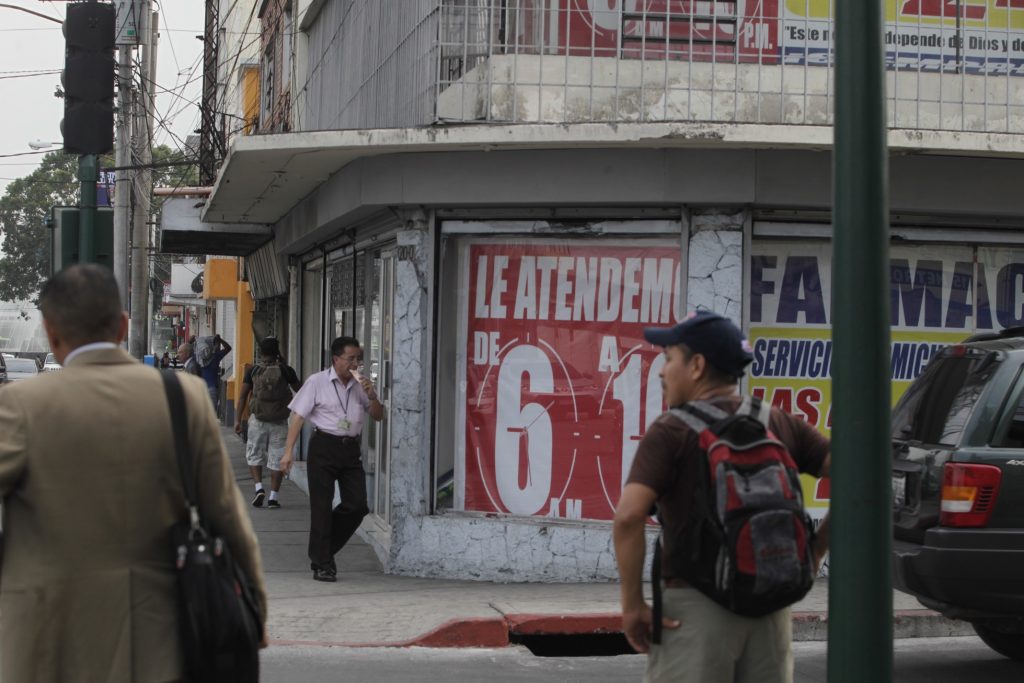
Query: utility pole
122	159
860	593
87	208
143	185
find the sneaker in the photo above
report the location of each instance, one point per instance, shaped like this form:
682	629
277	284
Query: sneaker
257	500
273	503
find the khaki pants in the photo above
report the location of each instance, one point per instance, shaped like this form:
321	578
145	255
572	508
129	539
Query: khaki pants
713	645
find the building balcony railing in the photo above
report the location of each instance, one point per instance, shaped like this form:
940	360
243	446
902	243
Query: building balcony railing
953	65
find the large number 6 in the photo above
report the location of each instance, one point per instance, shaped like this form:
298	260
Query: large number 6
517	423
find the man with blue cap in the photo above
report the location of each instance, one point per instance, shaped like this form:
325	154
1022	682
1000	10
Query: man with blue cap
701	640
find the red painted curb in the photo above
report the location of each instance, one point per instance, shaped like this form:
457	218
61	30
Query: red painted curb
493	632
478	632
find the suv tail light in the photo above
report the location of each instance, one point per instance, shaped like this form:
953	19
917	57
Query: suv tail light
969	493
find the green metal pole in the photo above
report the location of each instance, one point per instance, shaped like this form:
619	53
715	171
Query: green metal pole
860	581
87	208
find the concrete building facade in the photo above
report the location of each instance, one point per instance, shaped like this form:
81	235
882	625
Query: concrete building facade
496	198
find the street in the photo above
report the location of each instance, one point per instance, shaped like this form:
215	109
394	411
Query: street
918	660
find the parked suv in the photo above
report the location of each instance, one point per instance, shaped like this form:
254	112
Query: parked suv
958	488
3	370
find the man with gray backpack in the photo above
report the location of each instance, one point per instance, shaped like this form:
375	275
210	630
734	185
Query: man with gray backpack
267	390
736	548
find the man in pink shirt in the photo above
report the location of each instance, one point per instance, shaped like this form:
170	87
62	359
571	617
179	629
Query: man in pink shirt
336	401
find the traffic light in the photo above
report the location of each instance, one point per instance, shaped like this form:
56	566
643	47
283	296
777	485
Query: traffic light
88	78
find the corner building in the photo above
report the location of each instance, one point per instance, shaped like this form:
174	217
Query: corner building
496	196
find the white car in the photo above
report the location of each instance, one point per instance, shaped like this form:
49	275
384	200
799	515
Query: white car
51	364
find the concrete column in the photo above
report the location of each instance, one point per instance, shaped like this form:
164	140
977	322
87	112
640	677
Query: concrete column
411	393
715	262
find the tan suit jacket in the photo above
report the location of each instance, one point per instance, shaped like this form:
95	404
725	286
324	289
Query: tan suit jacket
91	490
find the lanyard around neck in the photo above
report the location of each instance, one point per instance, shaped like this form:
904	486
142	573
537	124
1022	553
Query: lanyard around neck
348	398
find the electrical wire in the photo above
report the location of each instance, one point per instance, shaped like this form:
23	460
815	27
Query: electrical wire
174	53
25	154
38	73
163	122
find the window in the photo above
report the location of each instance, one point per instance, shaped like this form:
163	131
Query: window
288	45
267	93
937	406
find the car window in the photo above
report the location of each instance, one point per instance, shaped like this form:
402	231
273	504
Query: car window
50	358
21	365
936	407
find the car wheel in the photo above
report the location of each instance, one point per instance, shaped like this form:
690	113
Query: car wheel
1006	643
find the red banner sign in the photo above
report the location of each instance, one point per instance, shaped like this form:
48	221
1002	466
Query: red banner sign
741	30
560	384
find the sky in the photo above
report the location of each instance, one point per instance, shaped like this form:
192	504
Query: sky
31	112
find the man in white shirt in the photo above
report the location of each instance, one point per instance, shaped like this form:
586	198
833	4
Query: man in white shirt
336	401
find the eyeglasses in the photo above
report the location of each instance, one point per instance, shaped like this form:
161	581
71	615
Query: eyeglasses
352	359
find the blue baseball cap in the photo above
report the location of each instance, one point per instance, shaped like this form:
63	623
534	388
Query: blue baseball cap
711	335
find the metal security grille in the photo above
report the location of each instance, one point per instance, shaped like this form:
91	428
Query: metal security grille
955	65
371	64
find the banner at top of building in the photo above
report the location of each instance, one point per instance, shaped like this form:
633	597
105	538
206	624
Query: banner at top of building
951	36
976	13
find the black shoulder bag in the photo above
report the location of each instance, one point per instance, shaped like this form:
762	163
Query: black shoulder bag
218	615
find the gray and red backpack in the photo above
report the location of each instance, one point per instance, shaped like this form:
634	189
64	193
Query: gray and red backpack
747	542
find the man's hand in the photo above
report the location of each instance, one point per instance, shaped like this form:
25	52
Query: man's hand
238	427
367	385
821	542
286	461
264	643
636	625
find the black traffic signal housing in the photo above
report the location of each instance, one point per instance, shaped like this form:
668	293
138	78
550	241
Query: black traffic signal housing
88	78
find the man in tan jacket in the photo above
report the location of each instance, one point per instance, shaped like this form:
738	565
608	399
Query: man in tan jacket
91	489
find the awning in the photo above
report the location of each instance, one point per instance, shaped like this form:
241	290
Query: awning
265	176
182	231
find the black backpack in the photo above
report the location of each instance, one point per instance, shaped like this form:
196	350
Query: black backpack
747	542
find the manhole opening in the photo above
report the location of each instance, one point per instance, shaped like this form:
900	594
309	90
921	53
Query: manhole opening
575	644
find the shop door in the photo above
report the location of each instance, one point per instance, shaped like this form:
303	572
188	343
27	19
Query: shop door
377	362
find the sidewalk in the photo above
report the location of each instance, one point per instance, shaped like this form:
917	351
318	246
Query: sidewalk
367	607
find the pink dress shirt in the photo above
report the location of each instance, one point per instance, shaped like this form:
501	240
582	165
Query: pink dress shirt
326	401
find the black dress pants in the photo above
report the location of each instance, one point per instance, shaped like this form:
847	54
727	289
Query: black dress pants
334	459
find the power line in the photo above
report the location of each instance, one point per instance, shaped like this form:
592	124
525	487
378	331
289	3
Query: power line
32	12
27	71
163	122
25	154
38	73
174	53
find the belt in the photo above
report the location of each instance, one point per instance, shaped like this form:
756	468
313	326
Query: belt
676	583
345	440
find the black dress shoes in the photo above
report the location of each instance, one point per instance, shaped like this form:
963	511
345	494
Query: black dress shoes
325	575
